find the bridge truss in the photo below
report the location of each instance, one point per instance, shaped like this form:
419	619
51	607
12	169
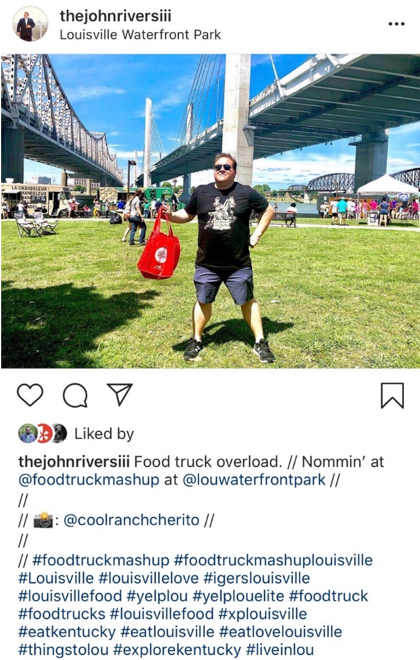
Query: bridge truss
33	99
337	182
411	177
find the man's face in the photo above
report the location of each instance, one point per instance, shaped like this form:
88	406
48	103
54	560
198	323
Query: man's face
26	15
28	430
224	177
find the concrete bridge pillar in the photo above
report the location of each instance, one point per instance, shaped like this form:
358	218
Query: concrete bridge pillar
186	184
147	182
306	198
88	186
238	140
371	157
64	178
12	154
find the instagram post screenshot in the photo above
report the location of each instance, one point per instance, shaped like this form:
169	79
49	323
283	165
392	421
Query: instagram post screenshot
210	330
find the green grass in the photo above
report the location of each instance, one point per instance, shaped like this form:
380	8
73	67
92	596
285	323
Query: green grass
316	220
329	299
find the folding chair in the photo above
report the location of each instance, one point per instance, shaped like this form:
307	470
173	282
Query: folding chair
372	218
25	226
44	226
404	216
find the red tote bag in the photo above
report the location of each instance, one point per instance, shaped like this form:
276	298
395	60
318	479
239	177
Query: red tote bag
161	254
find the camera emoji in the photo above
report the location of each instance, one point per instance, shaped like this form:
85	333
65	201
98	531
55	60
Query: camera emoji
44	521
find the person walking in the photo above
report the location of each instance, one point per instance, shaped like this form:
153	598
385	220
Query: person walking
126	217
137	220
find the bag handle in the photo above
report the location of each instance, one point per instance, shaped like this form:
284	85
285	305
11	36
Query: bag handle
162	214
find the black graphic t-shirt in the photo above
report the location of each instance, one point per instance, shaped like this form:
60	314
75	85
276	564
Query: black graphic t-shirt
223	224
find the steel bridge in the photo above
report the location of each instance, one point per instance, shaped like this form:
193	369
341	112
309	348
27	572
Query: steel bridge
344	182
39	123
328	98
337	182
411	177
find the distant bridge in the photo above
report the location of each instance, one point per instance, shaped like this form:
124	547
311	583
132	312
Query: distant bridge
39	123
344	182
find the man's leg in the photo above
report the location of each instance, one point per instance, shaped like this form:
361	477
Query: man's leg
252	315
132	231
207	284
200	317
142	238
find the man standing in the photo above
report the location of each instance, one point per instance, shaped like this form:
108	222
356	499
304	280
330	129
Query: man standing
136	219
342	211
223	209
334	212
24	27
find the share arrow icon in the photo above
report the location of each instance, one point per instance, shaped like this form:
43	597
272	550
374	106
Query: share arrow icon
120	390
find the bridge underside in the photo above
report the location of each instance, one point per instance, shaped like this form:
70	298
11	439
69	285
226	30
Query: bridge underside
193	160
42	148
359	95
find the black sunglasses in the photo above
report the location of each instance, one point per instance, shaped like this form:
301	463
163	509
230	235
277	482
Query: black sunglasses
226	167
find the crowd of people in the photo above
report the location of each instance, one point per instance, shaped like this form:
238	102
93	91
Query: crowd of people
385	210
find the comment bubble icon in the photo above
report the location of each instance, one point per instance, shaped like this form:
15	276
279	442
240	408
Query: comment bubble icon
75	395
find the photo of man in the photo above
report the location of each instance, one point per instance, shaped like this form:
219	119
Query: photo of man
28	433
25	26
30	24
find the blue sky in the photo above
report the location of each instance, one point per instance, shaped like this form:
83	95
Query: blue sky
108	93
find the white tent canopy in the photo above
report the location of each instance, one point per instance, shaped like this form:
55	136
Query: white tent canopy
387	185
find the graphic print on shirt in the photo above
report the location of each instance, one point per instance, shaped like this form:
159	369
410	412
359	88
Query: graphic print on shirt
223	216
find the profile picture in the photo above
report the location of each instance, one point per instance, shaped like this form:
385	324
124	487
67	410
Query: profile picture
28	433
60	433
30	24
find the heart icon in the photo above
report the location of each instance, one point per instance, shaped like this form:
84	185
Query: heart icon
30	394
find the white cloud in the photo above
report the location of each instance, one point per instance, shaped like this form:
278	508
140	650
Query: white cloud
129	155
95	92
406	129
400	163
113	133
299	167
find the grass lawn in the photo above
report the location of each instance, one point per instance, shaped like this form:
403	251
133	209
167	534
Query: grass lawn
330	299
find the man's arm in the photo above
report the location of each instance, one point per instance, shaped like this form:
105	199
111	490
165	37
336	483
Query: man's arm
262	226
179	216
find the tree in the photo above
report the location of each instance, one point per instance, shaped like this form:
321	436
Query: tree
166	184
79	188
262	188
192	189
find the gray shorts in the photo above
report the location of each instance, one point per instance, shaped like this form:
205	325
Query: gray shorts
240	284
